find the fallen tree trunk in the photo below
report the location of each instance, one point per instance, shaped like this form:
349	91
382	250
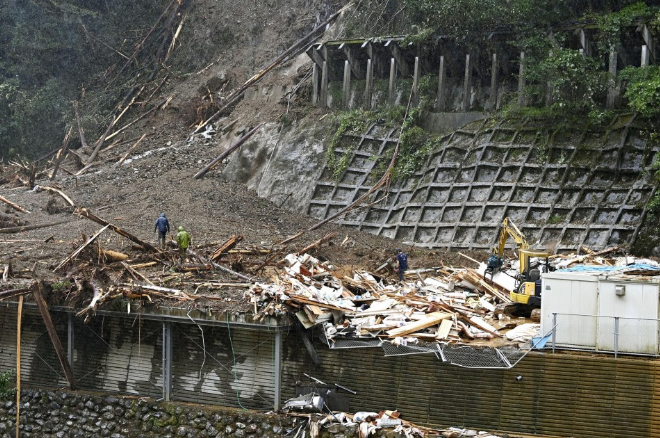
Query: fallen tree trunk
143	115
172	293
114	256
86	214
233	97
221	268
135	273
226	153
29	227
59	192
318	243
132	148
37	293
14	293
61	154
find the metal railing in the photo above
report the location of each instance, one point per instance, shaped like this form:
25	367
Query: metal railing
606	334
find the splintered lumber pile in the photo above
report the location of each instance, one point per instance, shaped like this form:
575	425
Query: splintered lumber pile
362	306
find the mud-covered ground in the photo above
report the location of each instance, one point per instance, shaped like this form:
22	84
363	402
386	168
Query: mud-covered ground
157	175
212	209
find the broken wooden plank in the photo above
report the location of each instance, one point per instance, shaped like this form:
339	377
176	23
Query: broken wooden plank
88	215
37	293
480	324
430	319
445	328
80	248
477	280
13	205
301	299
226	247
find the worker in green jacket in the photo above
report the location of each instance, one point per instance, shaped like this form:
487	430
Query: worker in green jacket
183	239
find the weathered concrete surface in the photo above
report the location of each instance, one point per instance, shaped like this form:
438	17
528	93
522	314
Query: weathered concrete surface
564	188
447	122
281	163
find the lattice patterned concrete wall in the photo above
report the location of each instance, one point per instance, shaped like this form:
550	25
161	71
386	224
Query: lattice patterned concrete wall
564	189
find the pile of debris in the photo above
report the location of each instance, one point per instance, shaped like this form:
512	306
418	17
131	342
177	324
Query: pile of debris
448	305
452	305
309	408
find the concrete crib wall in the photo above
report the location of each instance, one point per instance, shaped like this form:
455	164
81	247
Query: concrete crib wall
563	188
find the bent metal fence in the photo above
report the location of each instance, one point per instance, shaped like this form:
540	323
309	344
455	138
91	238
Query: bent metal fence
606	334
465	356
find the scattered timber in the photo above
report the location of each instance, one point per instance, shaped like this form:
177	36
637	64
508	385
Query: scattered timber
20	229
226	247
228	152
88	215
37	293
303	42
61	153
129	151
59	192
13	205
79	250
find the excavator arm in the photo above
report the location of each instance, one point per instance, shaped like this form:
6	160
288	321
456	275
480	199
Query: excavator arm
508	229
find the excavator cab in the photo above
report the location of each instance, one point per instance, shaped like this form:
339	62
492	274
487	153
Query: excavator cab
528	290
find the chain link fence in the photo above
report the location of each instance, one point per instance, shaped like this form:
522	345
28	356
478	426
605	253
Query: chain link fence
606	334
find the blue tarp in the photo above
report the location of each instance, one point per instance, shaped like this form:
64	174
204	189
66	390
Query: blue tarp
587	268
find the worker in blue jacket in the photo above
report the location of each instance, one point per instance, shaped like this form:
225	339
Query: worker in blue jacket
401	262
163	227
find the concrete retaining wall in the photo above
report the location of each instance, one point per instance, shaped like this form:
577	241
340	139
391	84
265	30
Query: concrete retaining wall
562	188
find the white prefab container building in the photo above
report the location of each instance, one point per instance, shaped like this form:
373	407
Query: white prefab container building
601	312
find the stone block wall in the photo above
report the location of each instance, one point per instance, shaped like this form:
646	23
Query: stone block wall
61	414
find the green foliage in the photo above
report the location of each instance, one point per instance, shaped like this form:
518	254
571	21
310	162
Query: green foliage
575	81
7	390
470	19
611	24
49	51
643	89
355	122
60	286
556	219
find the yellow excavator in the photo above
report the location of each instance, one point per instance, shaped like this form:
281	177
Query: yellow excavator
528	285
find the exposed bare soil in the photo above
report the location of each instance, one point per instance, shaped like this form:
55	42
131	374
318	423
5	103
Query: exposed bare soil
158	176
